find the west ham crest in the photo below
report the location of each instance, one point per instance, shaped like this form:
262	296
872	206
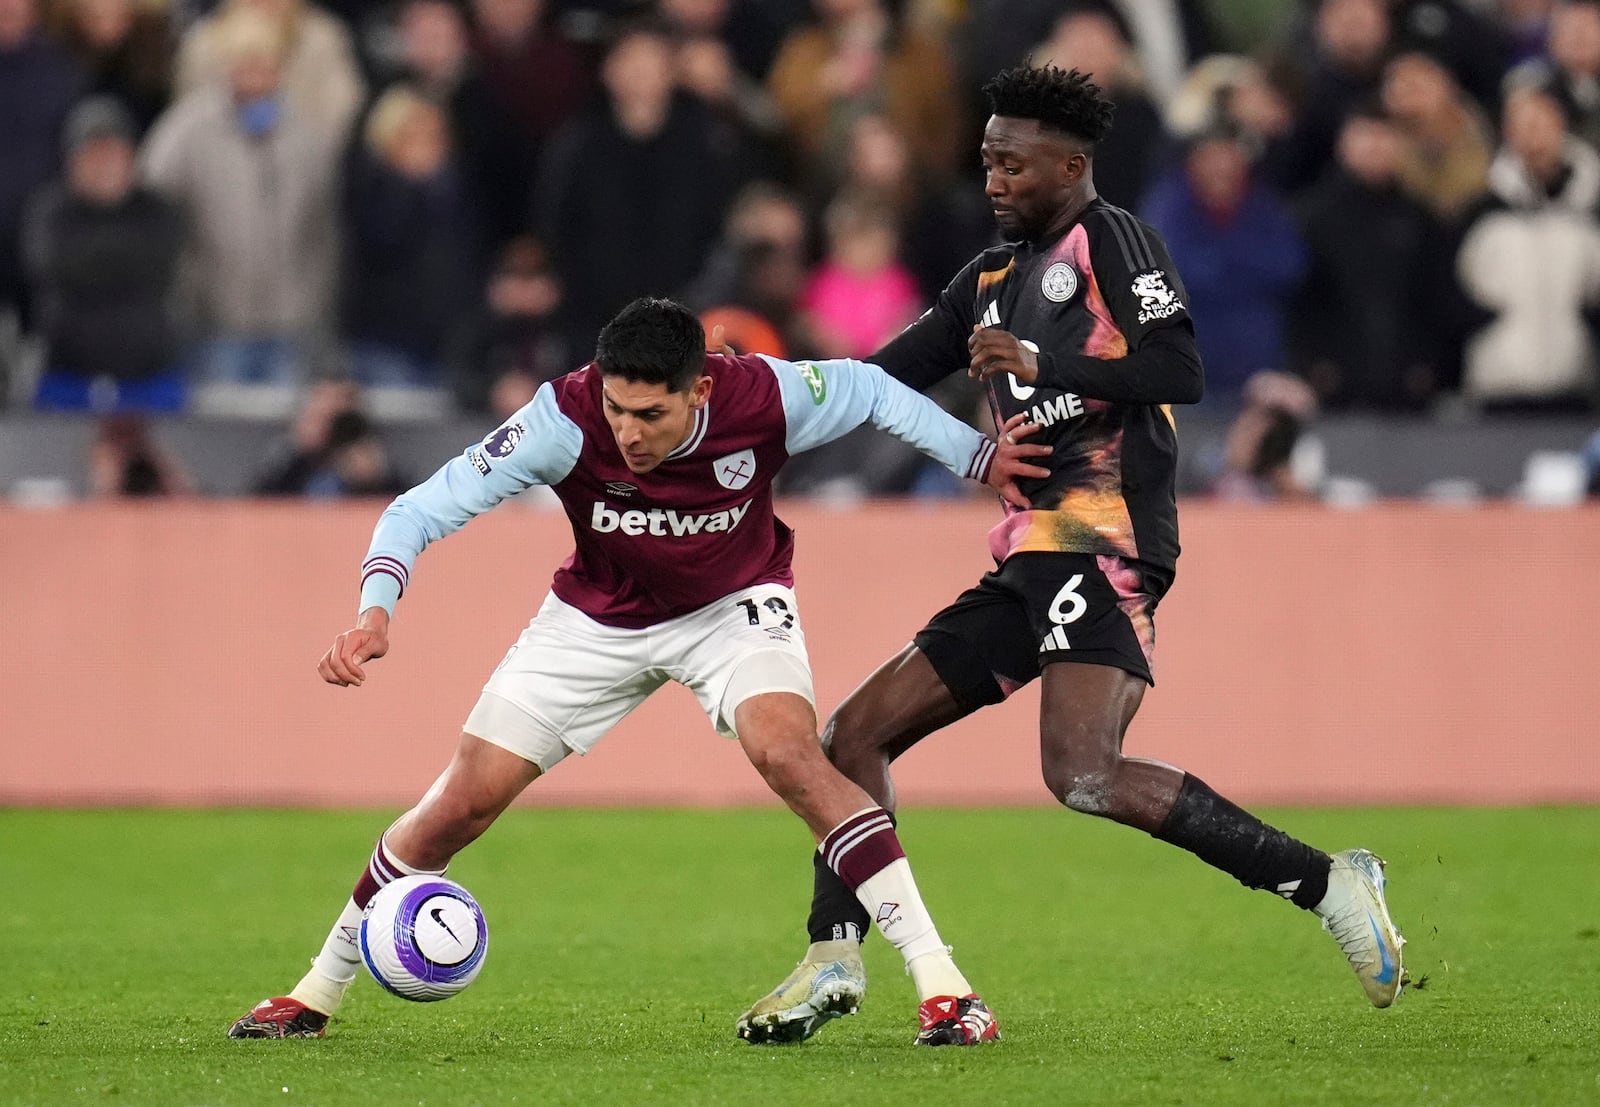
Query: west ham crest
735	470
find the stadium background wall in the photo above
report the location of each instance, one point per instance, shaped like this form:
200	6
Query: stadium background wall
1394	654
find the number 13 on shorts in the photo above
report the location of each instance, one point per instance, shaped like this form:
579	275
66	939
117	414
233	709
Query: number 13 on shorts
773	612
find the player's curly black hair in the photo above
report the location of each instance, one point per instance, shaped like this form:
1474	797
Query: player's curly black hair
654	341
1060	98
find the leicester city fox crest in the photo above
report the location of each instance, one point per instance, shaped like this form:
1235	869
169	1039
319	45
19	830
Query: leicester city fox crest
735	470
1060	283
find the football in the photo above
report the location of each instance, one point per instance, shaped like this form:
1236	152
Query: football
424	938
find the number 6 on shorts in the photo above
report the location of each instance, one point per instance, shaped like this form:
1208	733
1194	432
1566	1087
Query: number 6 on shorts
1068	595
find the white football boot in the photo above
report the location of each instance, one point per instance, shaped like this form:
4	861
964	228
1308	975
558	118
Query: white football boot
829	981
1355	913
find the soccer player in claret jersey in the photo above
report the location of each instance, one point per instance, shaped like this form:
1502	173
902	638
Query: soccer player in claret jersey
663	456
1080	323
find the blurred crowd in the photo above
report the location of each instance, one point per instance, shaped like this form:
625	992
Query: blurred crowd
253	207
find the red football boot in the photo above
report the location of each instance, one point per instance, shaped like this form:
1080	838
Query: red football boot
280	1017
952	1020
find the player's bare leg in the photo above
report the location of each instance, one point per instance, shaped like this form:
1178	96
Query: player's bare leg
480	782
779	734
901	703
1084	714
857	841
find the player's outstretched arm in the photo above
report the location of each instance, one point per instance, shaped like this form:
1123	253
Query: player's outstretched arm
367	641
824	400
537	445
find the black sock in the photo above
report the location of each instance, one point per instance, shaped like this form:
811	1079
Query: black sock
1226	836
836	913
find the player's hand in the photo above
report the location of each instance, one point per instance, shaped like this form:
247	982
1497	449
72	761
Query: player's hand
1010	464
718	344
367	641
996	351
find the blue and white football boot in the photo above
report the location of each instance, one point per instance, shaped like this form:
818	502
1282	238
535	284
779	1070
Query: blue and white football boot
1355	913
829	982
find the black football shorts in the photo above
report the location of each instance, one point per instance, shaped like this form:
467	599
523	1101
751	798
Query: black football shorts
1039	608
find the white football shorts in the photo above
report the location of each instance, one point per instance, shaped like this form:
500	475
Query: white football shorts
568	679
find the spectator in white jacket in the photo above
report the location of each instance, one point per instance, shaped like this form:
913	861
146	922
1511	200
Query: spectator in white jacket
1531	261
257	179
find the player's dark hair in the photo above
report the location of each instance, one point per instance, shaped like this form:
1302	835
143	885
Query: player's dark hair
653	341
1062	99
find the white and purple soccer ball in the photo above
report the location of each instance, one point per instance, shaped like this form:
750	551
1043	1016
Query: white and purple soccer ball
424	937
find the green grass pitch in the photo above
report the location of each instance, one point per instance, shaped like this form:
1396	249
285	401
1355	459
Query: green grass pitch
624	943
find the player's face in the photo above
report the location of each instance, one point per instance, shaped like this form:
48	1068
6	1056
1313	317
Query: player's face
649	421
1032	176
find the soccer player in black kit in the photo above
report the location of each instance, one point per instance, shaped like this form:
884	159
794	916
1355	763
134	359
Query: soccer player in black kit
1079	321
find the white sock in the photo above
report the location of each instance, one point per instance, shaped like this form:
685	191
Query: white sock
891	898
333	969
341	953
935	974
319	993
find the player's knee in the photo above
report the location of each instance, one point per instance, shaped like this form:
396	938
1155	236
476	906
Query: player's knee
786	761
1086	793
456	819
1086	785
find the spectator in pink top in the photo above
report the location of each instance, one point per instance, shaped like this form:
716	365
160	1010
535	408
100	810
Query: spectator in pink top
860	294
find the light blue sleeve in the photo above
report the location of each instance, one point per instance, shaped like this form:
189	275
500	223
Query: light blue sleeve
825	400
537	445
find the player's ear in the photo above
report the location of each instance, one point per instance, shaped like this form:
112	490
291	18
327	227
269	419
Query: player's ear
700	391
